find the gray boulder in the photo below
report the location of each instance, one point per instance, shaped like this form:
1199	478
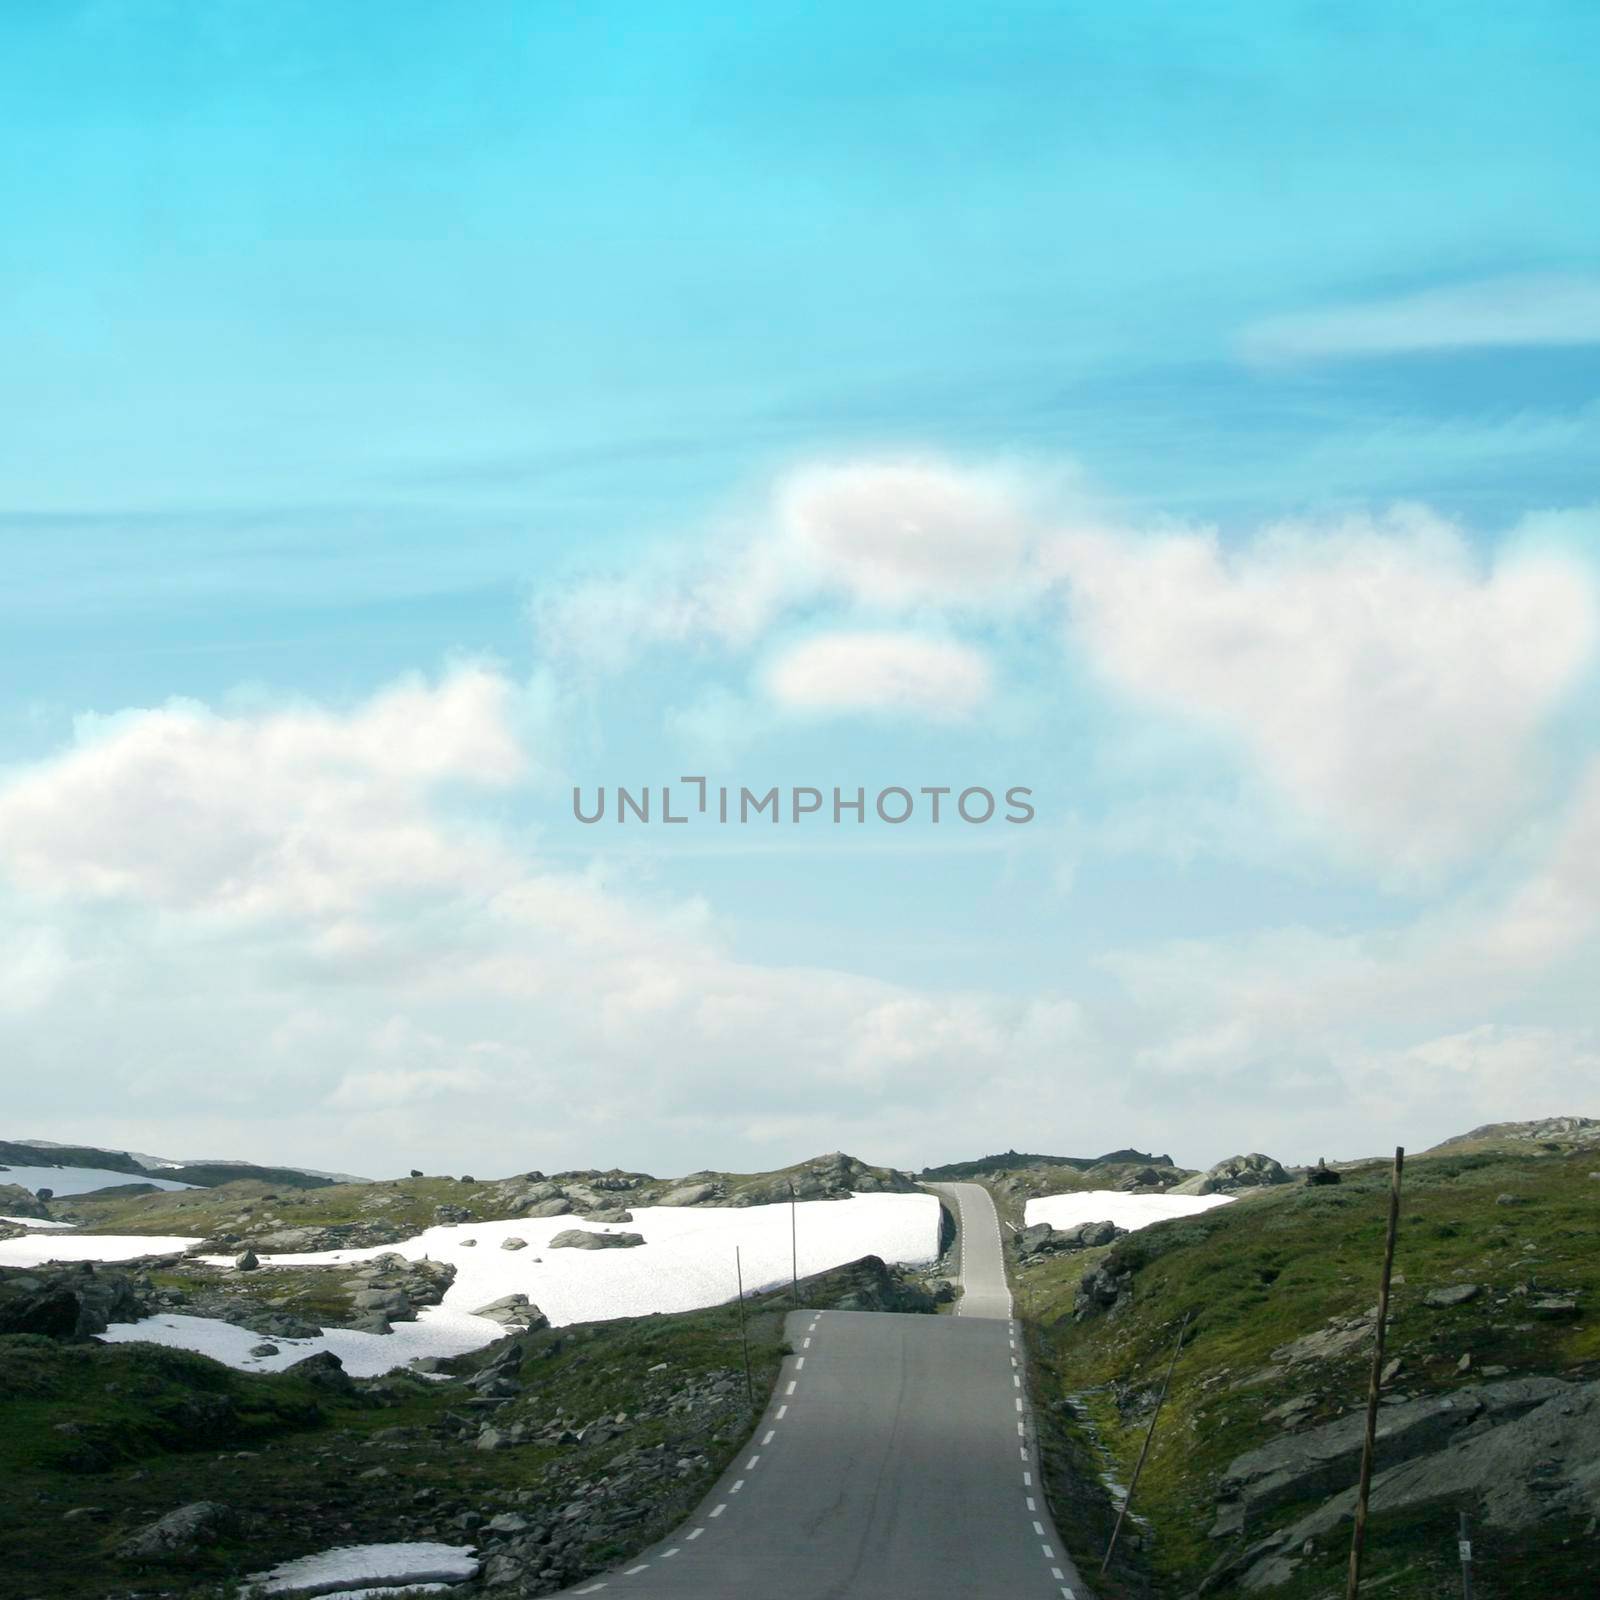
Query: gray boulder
582	1239
691	1194
1254	1171
513	1243
513	1311
556	1205
180	1533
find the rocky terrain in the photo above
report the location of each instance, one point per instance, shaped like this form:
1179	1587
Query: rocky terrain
553	1452
1491	1398
133	1470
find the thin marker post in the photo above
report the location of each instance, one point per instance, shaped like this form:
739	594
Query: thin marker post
1358	1537
744	1340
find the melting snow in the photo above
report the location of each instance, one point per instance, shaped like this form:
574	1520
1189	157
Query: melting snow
36	1222
1131	1211
387	1565
37	1248
687	1261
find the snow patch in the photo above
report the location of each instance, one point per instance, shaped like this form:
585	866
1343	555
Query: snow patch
388	1566
686	1262
35	1249
36	1222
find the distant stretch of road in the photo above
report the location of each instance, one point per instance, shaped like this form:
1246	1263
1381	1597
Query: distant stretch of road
896	1461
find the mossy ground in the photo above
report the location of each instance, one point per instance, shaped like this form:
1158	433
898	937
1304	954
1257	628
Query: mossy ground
1277	1266
133	1431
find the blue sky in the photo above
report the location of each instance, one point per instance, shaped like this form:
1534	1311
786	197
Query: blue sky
569	382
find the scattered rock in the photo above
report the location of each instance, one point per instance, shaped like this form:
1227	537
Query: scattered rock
582	1239
1253	1171
513	1311
1322	1174
1456	1294
263	1350
513	1244
246	1261
180	1532
72	1301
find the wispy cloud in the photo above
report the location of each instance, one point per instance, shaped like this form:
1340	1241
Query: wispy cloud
1526	309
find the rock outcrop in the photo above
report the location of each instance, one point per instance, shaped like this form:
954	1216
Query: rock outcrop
1521	1452
73	1301
1254	1171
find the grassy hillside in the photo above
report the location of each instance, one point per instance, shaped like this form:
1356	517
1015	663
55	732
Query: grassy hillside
1291	1262
633	1417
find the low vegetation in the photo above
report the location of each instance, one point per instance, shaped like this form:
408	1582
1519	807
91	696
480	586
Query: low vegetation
1278	1285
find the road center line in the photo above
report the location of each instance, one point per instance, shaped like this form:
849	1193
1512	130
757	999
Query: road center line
767	1439
640	1568
739	1484
781	1411
718	1510
752	1461
696	1533
791	1388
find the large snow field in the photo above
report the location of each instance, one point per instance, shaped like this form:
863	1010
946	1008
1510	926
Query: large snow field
37	1248
388	1565
686	1262
81	1180
1131	1211
37	1222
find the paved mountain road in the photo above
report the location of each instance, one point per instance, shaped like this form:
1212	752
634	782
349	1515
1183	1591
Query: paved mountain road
896	1461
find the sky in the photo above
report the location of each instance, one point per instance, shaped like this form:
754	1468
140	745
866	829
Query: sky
415	414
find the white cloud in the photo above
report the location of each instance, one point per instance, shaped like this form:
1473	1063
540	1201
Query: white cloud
1527	309
290	810
1386	681
872	536
881	672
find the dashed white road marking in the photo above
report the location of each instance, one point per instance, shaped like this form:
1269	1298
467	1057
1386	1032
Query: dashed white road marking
640	1568
767	1438
1049	1554
594	1588
667	1555
1057	1574
805	1344
1031	1505
1038	1528
799	1362
696	1533
718	1510
1019	1404
782	1411
1016	1382
752	1461
791	1388
1027	1480
739	1484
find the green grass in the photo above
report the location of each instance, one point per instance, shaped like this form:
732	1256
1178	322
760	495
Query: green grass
1276	1266
134	1431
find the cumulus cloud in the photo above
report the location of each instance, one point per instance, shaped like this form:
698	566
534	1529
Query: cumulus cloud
874	536
876	672
1526	309
1387	681
297	809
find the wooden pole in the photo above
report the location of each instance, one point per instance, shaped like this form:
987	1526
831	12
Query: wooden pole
1358	1537
744	1341
1144	1449
794	1250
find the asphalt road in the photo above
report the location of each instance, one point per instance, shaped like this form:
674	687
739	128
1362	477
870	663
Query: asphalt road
896	1460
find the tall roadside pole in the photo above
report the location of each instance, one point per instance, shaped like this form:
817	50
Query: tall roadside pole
1144	1449
794	1250
744	1338
1358	1538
